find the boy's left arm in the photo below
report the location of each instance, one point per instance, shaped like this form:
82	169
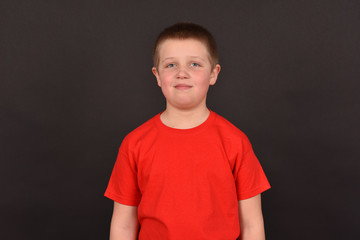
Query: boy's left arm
251	219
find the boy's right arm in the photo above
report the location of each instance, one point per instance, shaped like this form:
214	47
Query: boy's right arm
124	222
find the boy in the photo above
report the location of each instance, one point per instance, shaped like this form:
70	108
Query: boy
187	173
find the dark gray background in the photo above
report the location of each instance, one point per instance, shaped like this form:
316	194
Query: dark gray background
76	78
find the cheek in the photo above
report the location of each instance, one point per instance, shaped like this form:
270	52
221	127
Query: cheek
165	78
204	83
203	78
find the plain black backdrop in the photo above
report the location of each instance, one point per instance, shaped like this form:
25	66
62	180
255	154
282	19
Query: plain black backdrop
75	78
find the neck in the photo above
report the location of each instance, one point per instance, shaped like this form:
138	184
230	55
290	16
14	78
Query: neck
184	118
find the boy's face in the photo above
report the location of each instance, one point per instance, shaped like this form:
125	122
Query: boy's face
184	72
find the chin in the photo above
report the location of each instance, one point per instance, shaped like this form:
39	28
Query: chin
185	105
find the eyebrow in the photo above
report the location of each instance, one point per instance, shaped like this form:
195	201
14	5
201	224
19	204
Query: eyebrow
197	57
192	57
168	58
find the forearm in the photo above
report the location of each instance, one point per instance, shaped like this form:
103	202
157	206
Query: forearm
252	232
118	232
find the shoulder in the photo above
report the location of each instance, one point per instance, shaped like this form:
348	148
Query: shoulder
228	131
144	132
228	128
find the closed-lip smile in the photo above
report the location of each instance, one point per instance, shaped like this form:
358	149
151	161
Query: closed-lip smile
182	86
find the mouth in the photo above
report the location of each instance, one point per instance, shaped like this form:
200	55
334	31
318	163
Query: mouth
182	86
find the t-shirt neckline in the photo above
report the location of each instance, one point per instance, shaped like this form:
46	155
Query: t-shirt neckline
200	127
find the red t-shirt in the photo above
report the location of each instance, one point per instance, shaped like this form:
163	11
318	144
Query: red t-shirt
186	182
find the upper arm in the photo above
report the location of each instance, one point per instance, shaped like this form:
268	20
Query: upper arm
124	222
250	213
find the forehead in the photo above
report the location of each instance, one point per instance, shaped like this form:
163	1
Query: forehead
182	47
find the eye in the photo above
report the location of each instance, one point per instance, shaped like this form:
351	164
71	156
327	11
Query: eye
195	64
171	65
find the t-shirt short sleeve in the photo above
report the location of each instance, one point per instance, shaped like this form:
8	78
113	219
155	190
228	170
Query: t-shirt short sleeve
123	186
249	176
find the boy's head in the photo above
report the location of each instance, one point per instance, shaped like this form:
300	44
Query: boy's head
183	31
185	64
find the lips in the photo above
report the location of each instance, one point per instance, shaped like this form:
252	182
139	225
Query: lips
182	86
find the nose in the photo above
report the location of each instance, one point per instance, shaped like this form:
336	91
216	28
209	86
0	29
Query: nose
182	73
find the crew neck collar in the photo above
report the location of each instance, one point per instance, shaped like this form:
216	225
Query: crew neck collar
200	127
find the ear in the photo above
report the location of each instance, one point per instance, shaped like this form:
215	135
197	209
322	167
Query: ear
214	74
156	74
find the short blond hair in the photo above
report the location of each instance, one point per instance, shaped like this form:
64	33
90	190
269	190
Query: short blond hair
186	30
